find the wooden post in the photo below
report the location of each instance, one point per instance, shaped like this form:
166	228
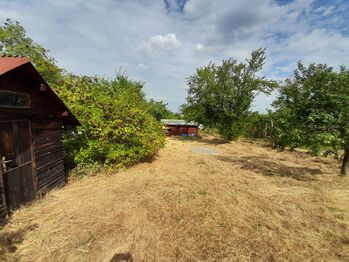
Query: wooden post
266	131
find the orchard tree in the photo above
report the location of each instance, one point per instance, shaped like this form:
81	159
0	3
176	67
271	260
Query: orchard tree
220	96
312	110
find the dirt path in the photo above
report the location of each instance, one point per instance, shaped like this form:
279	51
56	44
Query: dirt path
199	200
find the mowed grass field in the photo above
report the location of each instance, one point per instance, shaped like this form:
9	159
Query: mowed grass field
199	200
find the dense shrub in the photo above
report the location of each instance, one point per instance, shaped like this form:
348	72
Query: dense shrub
116	129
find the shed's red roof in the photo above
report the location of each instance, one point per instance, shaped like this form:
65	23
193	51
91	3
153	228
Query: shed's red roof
7	63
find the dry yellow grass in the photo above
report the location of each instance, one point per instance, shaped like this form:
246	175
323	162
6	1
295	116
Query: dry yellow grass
231	202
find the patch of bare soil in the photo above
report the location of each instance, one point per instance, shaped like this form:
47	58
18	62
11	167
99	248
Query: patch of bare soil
246	202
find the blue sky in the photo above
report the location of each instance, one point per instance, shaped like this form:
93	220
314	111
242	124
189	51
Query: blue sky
162	42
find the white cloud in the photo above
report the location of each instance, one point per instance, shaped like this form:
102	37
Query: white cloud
201	48
162	47
159	44
196	8
325	10
329	10
142	66
321	46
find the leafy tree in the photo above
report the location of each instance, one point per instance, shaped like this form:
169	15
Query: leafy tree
312	110
220	96
15	42
159	110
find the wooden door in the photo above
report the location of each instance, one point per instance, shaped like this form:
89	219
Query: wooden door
16	163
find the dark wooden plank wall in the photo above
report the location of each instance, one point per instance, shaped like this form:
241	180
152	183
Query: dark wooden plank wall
46	131
2	210
49	154
20	187
175	130
12	82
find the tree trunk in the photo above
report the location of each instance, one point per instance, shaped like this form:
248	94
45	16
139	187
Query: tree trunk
345	163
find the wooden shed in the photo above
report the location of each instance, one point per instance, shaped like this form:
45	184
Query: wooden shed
31	122
177	127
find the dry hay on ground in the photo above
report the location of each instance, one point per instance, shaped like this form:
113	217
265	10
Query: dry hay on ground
247	202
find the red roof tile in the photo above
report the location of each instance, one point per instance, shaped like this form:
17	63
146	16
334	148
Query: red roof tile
8	63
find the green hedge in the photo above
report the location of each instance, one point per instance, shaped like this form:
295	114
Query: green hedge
116	128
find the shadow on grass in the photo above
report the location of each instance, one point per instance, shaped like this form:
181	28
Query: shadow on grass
213	141
267	167
203	140
10	240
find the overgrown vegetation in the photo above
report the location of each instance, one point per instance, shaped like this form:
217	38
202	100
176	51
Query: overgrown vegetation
312	110
220	96
116	129
119	125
